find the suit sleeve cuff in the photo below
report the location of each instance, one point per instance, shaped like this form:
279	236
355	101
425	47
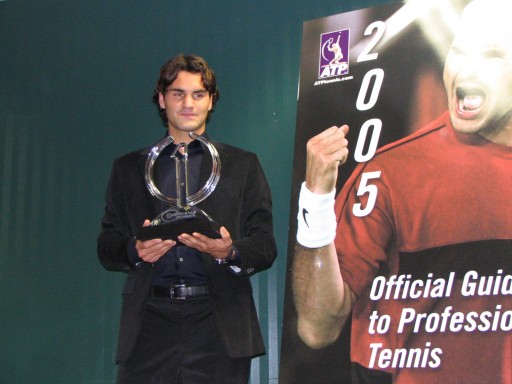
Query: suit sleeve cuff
133	254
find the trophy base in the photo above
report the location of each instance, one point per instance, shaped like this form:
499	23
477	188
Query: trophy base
173	230
172	223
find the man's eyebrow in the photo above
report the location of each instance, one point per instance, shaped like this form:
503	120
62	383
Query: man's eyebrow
182	90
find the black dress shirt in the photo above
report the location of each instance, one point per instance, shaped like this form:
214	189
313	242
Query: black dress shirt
181	265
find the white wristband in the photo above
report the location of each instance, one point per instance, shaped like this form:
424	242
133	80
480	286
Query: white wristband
316	220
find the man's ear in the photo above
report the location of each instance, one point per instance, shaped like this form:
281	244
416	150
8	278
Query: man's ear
161	100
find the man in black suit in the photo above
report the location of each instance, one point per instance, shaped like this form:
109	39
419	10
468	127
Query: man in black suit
188	315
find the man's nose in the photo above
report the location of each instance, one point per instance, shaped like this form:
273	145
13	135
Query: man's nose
471	66
188	101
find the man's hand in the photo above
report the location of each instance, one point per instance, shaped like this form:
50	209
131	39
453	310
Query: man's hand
152	250
325	152
217	248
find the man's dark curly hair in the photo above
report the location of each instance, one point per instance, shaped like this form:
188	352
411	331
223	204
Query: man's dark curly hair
191	63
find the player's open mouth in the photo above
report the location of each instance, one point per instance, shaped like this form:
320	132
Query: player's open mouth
469	101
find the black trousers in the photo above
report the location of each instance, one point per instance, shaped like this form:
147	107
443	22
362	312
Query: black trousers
179	344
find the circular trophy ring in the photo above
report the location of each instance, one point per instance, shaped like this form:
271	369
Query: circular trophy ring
200	195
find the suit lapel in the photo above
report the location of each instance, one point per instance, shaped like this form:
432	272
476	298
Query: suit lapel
155	204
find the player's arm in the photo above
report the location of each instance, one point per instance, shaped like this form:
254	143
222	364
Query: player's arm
323	301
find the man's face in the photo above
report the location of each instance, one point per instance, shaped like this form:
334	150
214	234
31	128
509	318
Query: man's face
478	75
186	105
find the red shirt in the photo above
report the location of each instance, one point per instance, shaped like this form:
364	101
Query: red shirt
443	209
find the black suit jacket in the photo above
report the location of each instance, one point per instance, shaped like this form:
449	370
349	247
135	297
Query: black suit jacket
241	202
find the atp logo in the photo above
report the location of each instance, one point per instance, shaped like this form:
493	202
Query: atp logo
334	53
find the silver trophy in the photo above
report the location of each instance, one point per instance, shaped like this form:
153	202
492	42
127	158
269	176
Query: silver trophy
182	216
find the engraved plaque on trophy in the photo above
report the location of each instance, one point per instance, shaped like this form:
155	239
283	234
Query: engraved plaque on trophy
182	215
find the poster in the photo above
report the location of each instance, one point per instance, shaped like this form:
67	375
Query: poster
380	71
